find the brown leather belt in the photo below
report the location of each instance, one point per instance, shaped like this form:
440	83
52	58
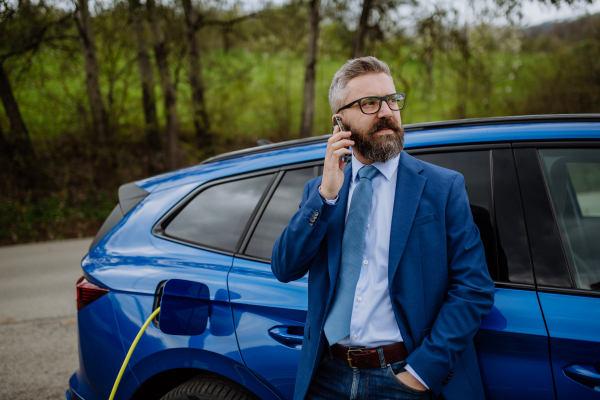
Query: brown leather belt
369	358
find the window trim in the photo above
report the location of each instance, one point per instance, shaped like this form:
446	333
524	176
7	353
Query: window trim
456	148
558	144
569	291
245	238
498	192
510	285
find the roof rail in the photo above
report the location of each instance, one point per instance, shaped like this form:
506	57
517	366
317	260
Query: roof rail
522	119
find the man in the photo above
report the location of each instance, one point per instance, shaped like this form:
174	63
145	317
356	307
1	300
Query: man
398	283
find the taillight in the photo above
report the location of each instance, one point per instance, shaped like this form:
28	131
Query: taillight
87	293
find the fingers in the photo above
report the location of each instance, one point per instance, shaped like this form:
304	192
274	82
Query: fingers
337	135
341	144
337	145
337	140
343	150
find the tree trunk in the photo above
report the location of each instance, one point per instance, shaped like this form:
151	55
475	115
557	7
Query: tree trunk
92	71
308	109
361	30
5	151
201	122
462	87
161	53
18	141
146	75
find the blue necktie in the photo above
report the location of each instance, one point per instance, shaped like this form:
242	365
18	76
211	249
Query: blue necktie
337	324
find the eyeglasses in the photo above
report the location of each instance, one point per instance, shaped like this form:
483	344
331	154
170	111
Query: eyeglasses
372	104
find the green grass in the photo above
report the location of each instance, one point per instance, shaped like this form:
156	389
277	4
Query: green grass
253	95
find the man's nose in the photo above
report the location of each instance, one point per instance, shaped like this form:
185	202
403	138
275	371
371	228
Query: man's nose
384	111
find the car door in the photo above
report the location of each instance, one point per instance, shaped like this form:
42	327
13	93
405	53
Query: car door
268	315
512	343
561	196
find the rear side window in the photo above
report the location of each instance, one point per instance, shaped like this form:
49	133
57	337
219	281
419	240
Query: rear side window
573	177
277	215
218	215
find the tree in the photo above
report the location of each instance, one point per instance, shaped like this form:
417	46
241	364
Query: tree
24	27
92	71
375	30
20	144
161	54
201	121
5	152
146	75
308	109
361	30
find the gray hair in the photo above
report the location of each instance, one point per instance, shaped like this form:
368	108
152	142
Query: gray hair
352	69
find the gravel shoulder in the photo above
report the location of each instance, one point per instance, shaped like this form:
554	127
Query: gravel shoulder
38	318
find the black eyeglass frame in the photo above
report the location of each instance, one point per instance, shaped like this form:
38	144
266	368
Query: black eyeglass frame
381	100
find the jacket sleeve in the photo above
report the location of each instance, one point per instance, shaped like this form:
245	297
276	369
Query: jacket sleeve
300	240
469	298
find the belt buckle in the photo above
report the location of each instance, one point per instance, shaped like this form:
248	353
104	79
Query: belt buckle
349	355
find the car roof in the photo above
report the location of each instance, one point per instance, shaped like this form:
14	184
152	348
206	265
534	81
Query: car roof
446	133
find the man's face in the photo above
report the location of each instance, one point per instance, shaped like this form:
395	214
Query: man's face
379	136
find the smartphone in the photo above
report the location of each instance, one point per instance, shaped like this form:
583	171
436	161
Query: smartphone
346	158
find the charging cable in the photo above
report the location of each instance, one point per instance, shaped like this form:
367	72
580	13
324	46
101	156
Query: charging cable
135	342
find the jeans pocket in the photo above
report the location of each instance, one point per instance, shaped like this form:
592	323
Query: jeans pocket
323	361
405	387
325	356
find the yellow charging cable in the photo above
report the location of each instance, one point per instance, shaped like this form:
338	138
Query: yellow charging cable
135	342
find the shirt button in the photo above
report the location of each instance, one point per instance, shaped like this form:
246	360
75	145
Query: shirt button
354	337
368	226
365	262
360	299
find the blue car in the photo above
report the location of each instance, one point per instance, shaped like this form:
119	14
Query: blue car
534	189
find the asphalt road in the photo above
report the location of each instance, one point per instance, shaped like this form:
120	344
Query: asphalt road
38	318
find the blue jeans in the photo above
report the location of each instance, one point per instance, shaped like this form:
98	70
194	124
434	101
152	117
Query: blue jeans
335	380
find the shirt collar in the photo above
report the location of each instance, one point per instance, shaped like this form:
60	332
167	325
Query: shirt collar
387	168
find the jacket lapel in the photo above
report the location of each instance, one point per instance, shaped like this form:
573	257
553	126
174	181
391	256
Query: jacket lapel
409	188
335	231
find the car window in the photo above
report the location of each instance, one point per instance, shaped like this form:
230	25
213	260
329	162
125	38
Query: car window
217	216
282	206
573	177
475	167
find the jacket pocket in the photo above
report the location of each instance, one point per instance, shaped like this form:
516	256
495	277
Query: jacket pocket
425	219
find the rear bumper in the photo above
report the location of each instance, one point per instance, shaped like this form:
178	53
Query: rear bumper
72	395
79	389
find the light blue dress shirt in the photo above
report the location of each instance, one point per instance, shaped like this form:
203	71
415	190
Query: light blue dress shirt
373	323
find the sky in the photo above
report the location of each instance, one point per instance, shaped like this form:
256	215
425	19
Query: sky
535	13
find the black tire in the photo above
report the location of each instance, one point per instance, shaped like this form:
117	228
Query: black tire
207	387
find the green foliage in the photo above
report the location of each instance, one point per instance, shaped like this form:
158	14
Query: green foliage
253	73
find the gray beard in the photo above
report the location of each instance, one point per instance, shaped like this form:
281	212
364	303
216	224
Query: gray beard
381	148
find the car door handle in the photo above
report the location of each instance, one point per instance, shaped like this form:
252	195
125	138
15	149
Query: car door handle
588	375
289	335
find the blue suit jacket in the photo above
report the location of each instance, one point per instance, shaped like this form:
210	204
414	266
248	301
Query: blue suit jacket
438	280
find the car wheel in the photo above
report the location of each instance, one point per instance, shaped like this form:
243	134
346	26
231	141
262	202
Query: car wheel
209	388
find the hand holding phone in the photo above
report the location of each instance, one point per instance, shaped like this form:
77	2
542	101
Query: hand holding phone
333	169
346	158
